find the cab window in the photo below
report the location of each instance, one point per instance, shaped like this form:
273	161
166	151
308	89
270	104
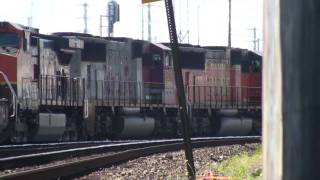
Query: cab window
9	39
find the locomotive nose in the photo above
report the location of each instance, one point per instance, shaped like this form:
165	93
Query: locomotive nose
8	65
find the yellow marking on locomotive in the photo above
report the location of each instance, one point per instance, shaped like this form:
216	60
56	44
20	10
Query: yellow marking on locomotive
11	82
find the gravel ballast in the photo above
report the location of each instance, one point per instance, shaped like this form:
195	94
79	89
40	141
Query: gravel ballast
170	165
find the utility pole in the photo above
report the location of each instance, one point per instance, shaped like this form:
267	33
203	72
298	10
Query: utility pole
101	24
85	18
188	31
184	31
229	28
228	55
255	41
30	21
180	89
142	23
198	19
198	23
30	18
149	23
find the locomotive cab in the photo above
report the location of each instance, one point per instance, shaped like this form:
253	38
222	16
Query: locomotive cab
10	44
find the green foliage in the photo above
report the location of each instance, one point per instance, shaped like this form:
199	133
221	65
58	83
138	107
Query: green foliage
242	166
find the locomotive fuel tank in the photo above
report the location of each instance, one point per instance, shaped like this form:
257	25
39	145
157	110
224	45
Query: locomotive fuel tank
233	124
127	127
130	111
51	127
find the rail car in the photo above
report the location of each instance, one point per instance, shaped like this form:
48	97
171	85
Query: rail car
74	86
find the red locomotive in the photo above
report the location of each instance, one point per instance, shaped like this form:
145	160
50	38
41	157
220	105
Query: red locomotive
73	86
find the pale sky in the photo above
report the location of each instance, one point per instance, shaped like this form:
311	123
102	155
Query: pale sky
67	15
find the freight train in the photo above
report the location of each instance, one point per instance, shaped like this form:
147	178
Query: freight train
74	86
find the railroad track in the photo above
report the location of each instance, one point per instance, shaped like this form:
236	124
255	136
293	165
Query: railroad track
7	151
51	154
121	153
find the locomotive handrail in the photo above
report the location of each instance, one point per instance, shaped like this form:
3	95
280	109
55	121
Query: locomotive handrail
57	90
86	108
250	87
228	96
14	96
132	93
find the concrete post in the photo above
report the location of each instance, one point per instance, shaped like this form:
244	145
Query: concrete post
291	90
272	93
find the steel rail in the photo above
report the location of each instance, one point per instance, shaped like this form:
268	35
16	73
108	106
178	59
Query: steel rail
72	169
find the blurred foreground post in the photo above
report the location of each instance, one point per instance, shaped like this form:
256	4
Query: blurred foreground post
291	89
180	89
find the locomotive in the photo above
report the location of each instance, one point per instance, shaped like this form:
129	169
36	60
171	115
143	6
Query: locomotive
74	86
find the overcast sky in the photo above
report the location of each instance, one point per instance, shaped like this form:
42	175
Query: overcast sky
67	15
